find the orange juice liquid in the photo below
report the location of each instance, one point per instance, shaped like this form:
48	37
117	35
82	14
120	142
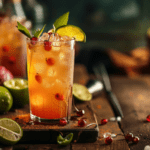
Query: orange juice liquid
12	50
50	77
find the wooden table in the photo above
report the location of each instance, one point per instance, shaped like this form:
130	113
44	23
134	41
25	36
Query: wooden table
134	98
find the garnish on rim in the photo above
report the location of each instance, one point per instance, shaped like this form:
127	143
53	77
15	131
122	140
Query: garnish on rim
26	32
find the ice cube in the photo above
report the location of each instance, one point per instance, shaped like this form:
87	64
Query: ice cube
44	37
55	39
65	38
51	72
61	56
47	84
40	68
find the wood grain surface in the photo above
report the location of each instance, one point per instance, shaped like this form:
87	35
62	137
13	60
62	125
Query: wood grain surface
102	109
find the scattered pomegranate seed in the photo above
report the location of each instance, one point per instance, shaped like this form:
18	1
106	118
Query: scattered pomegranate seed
81	122
135	139
108	140
129	137
50	61
80	113
104	121
6	48
59	96
62	122
12	59
47	45
38	78
148	118
34	40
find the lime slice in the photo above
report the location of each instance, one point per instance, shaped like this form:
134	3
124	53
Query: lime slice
6	100
73	32
10	131
19	89
81	92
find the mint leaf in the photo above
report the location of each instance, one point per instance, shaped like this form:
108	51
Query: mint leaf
23	30
39	32
61	21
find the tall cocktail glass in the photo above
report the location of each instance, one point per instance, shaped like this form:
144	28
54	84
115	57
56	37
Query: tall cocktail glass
50	78
12	50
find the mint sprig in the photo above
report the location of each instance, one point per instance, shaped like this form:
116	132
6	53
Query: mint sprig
39	32
26	32
23	30
61	21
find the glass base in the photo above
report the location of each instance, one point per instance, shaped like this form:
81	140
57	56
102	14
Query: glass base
39	120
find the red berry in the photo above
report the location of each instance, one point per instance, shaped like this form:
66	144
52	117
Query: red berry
38	78
34	40
6	48
104	121
108	140
62	122
80	113
81	122
12	59
59	96
50	61
47	45
148	118
50	33
135	139
129	137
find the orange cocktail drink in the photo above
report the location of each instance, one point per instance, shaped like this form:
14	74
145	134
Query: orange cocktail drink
12	50
50	76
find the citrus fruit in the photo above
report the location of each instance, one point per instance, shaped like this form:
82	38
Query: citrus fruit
10	131
73	32
80	92
6	100
5	75
19	89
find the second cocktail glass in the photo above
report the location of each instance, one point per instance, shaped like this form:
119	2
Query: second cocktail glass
50	77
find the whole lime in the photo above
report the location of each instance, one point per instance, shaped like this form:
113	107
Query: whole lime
6	100
19	89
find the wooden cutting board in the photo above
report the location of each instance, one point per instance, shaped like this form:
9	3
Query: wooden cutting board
38	133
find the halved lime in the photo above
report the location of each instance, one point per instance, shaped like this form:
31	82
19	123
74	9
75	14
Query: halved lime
19	89
81	92
73	32
6	100
10	131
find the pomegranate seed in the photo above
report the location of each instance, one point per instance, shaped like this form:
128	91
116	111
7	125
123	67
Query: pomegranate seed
12	59
47	45
50	61
38	78
6	48
135	139
59	96
148	118
104	121
34	40
50	33
108	140
80	113
62	122
81	123
129	137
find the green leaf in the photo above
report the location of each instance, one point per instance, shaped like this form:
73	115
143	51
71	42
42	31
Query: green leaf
61	21
23	30
39	32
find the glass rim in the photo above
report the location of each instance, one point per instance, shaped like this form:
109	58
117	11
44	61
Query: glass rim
62	41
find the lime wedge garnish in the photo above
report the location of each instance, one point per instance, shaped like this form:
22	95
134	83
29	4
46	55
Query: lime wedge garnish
73	32
19	89
61	21
10	131
80	92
